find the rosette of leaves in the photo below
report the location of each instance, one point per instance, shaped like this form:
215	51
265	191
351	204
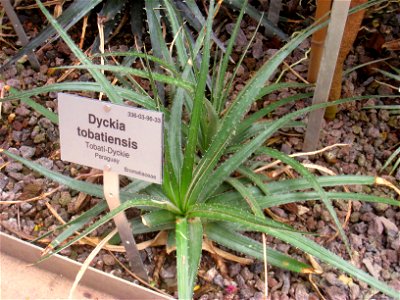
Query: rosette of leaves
210	188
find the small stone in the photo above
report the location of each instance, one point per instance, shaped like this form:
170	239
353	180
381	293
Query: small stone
285	148
210	274
279	212
108	260
354	292
385	274
331	278
361	160
22	111
44	69
356	240
390	228
373	269
3	181
25	206
65	198
168	273
380	207
330	157
391	255
32	121
45	162
258	296
301	292
272	282
240	71
325	216
219	280
375	227
361	227
356	129
39	138
336	293
260	285
246	274
27	152
241	39
246	292
14	167
234	269
258	49
45	123
15	83
240	281
355	217
373	132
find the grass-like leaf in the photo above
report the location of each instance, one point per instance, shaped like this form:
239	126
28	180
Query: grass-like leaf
127	94
189	237
311	178
218	232
193	134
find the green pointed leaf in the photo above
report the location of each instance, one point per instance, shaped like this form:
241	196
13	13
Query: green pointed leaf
311	178
217	232
189	237
188	160
127	94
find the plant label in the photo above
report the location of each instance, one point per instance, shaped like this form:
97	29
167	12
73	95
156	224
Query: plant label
122	139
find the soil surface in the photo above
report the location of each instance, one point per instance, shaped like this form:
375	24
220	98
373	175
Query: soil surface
371	134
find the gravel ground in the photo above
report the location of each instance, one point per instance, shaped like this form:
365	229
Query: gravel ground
373	229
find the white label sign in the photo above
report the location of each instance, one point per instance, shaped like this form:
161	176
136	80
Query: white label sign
124	139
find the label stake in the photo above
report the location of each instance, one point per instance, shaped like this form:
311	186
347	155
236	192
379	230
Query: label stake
111	193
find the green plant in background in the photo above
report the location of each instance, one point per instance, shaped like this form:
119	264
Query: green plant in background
114	12
209	139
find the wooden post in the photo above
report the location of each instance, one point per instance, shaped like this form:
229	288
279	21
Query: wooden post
318	39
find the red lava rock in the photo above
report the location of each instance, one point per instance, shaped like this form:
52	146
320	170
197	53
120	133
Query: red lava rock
17	125
390	228
375	227
336	293
354	292
260	285
331	278
246	274
392	256
234	269
272	282
356	240
258	51
279	296
22	111
395	283
373	269
241	39
301	292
